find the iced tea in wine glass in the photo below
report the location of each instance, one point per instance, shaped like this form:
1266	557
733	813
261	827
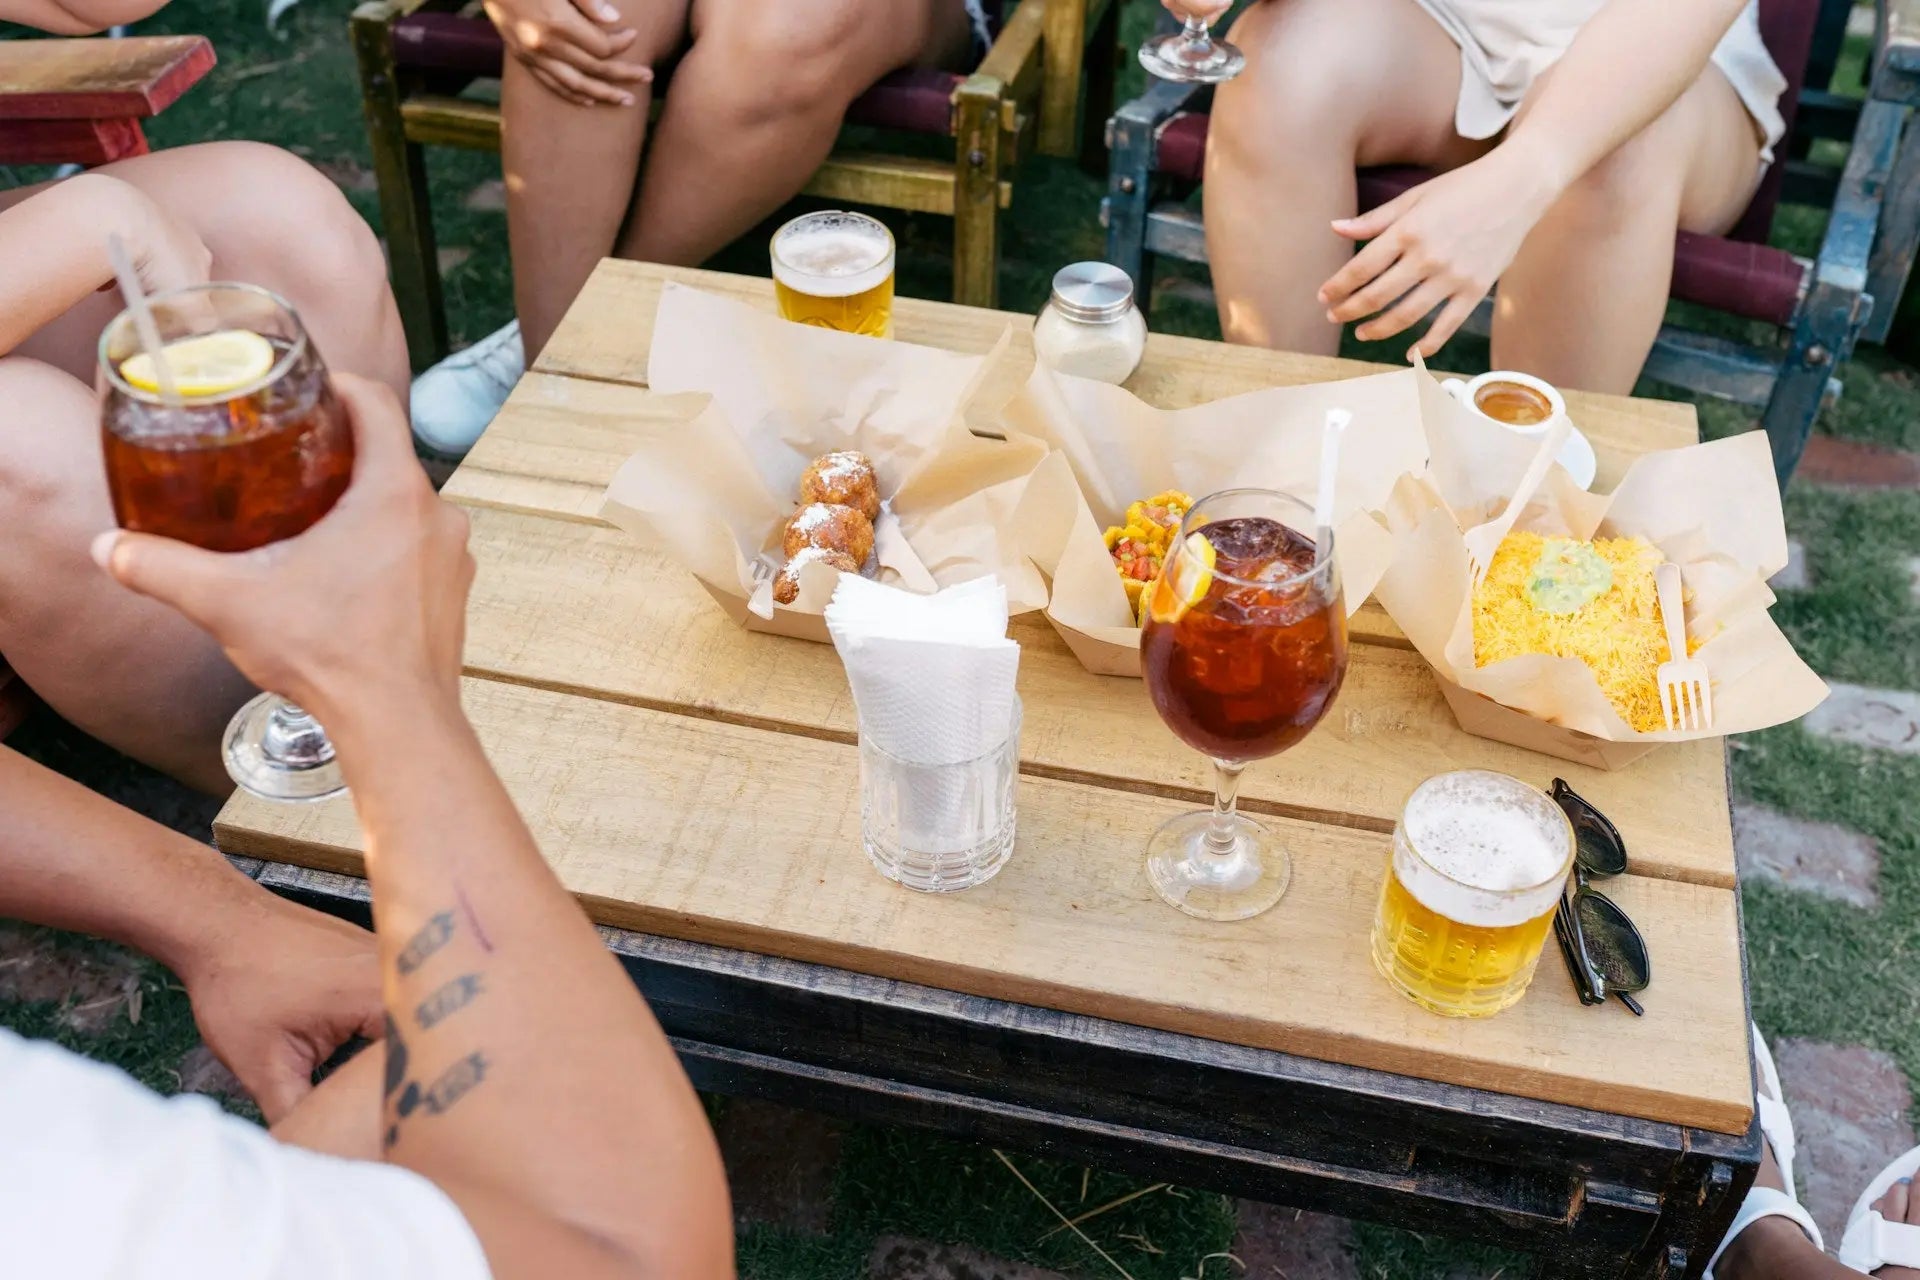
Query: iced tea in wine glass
1244	648
248	446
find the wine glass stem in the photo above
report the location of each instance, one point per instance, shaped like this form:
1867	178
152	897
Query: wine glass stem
1221	842
1197	34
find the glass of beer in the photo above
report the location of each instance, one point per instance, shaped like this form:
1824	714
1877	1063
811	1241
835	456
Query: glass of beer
1244	647
835	270
1479	860
237	442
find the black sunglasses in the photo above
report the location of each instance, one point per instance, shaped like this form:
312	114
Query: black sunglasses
1605	953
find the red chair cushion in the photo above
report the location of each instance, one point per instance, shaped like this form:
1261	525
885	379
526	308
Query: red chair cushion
916	100
1751	280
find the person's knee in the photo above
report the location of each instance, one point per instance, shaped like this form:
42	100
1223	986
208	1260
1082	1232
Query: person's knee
52	484
794	57
1302	84
295	232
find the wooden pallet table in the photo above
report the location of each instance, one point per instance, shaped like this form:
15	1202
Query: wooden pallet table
695	785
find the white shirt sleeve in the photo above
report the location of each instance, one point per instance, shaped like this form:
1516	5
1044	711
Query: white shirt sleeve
101	1179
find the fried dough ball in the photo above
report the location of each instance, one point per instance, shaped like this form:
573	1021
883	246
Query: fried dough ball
844	478
832	527
786	587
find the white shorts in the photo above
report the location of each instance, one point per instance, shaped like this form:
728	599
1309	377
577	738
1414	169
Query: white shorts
1506	44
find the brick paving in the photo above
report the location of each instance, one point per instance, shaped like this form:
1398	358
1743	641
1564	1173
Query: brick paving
1850	1106
1817	857
1888	719
1852	464
1275	1243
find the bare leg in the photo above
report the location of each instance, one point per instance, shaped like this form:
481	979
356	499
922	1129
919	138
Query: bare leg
1330	85
126	670
1582	302
570	172
131	672
269	219
1776	1249
756	103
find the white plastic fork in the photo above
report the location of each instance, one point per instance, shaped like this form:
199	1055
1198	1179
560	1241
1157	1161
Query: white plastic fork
1686	691
1483	540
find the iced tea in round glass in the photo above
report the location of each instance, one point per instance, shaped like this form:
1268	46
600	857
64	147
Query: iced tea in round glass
1244	648
250	448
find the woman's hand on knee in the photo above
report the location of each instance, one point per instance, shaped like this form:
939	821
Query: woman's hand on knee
572	47
1442	244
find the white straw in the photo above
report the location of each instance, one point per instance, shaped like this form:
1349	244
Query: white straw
143	325
1337	420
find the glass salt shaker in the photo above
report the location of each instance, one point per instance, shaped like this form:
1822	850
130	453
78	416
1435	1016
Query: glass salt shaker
1090	327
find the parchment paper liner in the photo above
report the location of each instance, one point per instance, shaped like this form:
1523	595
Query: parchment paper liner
1713	509
1112	449
714	488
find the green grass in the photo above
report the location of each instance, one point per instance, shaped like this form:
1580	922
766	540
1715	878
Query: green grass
1818	968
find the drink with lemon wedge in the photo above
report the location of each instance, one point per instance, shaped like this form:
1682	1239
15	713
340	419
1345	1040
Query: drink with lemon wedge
230	438
1244	648
252	447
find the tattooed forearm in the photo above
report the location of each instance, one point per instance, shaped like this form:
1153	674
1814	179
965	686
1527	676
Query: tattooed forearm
449	999
455	1083
432	936
396	1072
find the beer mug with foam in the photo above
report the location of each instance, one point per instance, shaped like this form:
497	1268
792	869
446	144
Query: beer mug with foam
1479	860
835	270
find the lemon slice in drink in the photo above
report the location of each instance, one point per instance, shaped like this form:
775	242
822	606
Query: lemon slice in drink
207	365
1184	579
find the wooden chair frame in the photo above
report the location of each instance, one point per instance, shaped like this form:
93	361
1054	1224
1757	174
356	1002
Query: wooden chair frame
1866	254
1024	95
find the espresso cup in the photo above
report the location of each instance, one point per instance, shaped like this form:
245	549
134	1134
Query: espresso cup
1490	392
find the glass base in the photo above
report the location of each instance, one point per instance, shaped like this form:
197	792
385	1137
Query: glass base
1185	870
276	751
1183	60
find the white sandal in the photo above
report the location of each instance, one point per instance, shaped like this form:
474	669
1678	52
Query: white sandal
1871	1241
1777	1125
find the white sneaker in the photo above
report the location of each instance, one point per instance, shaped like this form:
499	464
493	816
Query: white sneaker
455	400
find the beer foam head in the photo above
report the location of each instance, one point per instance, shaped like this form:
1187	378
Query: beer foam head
1482	848
832	255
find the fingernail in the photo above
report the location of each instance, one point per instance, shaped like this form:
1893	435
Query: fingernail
101	548
1332	318
1906	1182
626	99
609	14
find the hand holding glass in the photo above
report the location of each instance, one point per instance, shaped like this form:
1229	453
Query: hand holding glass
249	447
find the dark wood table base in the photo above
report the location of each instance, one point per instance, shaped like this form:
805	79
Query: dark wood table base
1589	1194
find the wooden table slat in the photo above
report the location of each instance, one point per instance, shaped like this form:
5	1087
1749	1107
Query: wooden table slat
585	608
762	853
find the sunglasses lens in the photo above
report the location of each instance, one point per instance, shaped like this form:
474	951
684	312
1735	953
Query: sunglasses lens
1614	945
1596	844
1598	850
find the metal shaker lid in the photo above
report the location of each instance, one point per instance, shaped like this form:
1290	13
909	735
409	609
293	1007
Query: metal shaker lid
1092	292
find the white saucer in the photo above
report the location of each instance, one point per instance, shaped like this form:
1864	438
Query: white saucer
1576	455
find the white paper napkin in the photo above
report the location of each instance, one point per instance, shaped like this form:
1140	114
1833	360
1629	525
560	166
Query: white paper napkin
932	675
